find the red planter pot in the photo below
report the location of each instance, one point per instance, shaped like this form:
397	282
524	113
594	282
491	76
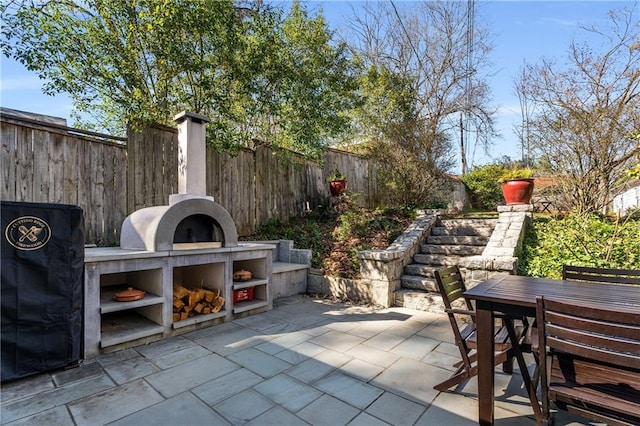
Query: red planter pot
337	187
517	191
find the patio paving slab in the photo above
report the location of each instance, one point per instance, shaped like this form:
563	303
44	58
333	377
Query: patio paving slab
328	411
349	390
39	402
114	403
277	416
338	341
288	392
55	416
131	369
259	362
364	419
415	347
411	379
26	387
300	353
307	361
183	377
226	386
244	406
395	410
178	410
310	370
372	355
90	370
361	369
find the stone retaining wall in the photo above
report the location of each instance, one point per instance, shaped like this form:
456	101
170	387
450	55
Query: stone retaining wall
381	269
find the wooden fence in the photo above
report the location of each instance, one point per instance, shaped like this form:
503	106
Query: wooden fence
49	164
112	177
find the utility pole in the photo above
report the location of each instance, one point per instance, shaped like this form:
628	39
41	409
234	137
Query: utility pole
463	154
464	114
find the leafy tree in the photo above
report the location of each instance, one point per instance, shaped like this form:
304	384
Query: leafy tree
255	72
585	112
123	61
440	55
419	77
305	88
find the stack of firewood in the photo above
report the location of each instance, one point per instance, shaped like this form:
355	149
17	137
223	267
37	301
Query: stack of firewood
190	302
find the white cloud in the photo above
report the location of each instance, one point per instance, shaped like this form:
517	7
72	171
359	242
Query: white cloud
561	22
508	110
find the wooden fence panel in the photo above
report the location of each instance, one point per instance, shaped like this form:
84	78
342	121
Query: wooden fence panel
57	169
230	180
8	156
51	165
24	166
40	146
280	186
152	167
356	169
71	162
110	180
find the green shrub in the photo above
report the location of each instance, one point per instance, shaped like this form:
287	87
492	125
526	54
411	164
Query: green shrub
485	190
304	231
337	234
582	240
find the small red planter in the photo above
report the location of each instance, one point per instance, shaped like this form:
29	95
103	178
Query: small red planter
338	187
517	191
243	295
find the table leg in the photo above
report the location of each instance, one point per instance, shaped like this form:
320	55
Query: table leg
484	324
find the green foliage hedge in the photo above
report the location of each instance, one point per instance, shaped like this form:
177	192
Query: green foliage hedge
485	190
582	240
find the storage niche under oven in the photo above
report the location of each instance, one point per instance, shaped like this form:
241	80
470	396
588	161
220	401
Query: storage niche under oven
198	293
250	293
123	321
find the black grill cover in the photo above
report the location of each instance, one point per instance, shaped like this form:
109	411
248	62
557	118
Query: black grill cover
42	287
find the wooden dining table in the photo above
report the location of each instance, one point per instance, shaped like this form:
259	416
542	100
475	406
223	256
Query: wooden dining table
516	295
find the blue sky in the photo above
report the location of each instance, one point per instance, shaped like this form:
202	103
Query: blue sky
523	31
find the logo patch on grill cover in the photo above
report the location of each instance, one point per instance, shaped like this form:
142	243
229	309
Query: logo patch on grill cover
28	233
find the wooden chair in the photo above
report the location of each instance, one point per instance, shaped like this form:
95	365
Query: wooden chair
592	367
451	286
602	275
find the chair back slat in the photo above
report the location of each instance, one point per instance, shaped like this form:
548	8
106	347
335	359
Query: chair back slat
596	327
450	284
602	275
593	360
595	353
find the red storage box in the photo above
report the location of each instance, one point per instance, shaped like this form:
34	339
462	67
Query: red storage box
243	295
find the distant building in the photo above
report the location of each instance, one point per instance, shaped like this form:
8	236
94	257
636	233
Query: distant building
23	115
628	199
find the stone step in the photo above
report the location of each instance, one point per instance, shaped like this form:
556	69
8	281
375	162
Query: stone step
417	282
419	300
455	223
457	240
437	259
455	250
462	230
416	269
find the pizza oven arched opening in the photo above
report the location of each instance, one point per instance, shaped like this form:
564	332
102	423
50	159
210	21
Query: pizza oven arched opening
198	228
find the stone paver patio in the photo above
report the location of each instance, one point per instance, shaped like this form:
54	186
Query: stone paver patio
307	361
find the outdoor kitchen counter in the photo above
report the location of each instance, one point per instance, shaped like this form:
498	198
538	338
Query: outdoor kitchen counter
111	325
104	254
